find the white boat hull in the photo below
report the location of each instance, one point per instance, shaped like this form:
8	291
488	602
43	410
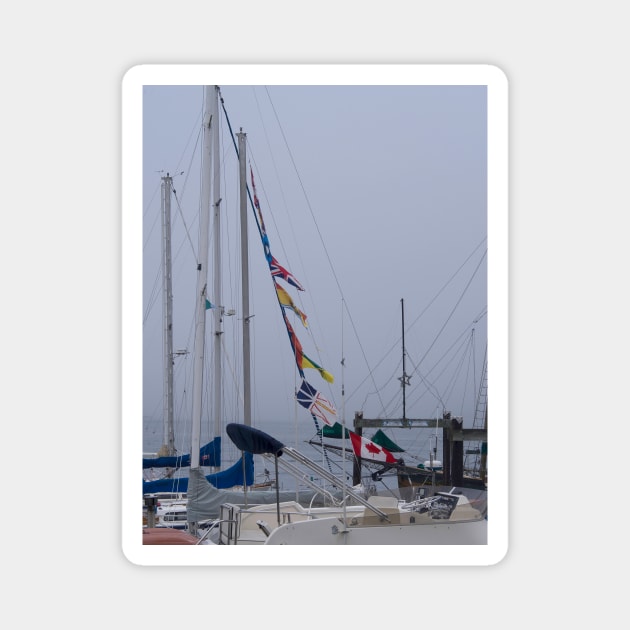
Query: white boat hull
446	519
330	531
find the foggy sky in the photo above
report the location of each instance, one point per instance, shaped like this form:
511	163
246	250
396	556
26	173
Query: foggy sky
380	196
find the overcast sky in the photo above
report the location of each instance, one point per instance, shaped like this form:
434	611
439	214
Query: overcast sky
370	195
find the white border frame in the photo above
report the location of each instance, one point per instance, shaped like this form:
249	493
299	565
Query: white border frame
316	74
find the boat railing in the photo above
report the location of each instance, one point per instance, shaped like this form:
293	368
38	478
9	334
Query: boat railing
216	523
324	474
239	524
303	478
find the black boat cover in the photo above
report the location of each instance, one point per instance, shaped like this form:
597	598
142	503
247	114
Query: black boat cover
253	440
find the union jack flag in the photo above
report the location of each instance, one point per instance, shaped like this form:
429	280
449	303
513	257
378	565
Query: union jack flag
279	271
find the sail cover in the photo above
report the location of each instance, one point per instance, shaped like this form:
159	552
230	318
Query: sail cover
209	455
232	476
208	499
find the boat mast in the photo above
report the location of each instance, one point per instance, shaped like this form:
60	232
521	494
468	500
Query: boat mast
343	421
404	379
168	444
247	404
210	124
213	95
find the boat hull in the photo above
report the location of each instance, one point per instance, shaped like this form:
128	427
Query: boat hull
331	532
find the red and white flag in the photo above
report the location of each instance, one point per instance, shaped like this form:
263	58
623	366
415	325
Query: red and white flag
366	449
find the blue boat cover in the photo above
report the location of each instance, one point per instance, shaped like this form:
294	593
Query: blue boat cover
228	478
209	455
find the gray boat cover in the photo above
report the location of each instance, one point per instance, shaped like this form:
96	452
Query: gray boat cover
204	500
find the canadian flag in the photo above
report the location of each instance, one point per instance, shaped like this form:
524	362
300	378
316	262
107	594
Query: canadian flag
366	449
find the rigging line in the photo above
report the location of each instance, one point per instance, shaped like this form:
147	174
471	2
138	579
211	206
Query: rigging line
235	382
179	206
157	216
395	345
312	306
308	203
458	368
395	397
299	298
310	208
461	297
154	291
482	382
332	268
260	232
431	388
313	323
278	179
231	134
321	438
370	370
470	365
226	226
249	194
424	377
450	280
152	297
195	126
179	248
474	360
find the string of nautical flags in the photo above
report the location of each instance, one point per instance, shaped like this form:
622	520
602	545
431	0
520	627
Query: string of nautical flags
278	272
320	408
307	395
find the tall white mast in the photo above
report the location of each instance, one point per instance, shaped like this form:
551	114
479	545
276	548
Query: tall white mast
217	291
247	404
210	125
168	444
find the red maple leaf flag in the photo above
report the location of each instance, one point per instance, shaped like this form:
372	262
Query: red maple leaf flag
366	449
